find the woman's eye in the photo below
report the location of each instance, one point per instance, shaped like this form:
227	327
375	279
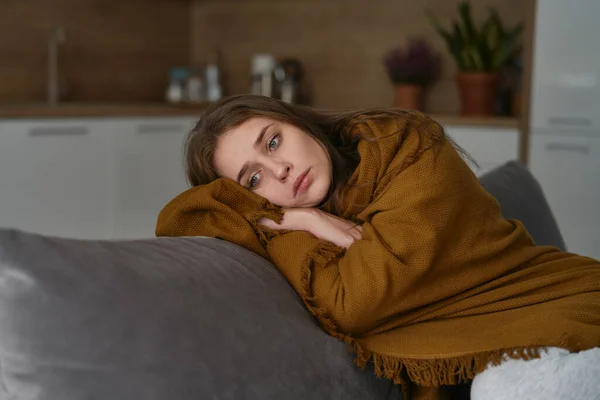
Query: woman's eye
253	181
274	142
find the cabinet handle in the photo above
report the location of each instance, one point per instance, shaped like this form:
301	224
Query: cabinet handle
60	131
151	128
570	121
577	148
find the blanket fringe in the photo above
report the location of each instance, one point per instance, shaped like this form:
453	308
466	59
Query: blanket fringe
271	212
404	371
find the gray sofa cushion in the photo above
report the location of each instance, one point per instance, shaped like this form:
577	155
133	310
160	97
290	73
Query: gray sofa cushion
521	197
168	318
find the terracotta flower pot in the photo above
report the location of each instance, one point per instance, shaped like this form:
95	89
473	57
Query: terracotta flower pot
477	92
408	96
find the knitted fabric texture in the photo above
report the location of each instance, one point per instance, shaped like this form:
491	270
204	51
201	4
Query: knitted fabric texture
440	284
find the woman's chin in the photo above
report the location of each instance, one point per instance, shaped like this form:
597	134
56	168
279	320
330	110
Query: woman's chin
315	201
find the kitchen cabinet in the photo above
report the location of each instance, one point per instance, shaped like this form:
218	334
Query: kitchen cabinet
568	169
55	177
566	66
490	147
148	171
564	145
90	178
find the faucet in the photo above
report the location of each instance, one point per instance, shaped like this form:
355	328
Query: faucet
57	38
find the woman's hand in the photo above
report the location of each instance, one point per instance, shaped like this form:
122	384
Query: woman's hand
321	224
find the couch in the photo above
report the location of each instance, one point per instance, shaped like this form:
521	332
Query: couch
184	318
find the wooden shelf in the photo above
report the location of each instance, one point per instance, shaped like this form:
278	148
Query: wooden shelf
65	110
494	122
162	109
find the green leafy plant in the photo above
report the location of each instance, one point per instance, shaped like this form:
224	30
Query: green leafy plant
484	49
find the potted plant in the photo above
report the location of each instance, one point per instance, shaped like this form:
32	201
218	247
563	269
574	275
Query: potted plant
411	70
479	53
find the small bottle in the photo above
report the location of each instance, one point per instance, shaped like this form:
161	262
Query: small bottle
263	66
176	89
195	87
214	91
288	74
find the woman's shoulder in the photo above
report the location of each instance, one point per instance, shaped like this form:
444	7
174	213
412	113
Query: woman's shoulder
395	122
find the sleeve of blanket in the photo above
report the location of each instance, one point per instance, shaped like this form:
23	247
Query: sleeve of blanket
430	225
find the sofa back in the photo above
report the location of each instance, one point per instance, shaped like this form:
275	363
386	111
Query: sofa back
182	318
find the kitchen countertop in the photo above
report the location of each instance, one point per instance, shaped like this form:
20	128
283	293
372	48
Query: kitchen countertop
70	110
488	122
67	110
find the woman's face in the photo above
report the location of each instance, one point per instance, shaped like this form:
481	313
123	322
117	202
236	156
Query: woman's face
277	161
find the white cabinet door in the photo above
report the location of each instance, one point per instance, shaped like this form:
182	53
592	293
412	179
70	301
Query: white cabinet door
489	147
566	65
568	168
55	177
149	171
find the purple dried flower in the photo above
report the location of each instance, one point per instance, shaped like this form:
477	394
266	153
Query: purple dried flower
417	64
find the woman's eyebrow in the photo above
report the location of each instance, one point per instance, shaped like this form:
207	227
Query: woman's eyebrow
257	143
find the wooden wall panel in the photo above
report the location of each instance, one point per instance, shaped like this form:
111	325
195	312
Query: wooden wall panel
121	50
116	50
340	42
528	49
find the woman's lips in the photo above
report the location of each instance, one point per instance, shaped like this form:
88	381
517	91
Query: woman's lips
302	182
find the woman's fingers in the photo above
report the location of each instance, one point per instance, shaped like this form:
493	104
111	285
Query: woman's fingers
268	223
321	224
354	230
356	233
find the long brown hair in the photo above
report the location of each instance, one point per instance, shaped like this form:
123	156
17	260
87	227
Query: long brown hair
332	129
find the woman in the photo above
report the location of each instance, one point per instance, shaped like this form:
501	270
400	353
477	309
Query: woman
382	228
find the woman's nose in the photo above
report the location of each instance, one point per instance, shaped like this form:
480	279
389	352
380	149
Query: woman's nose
282	171
279	169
